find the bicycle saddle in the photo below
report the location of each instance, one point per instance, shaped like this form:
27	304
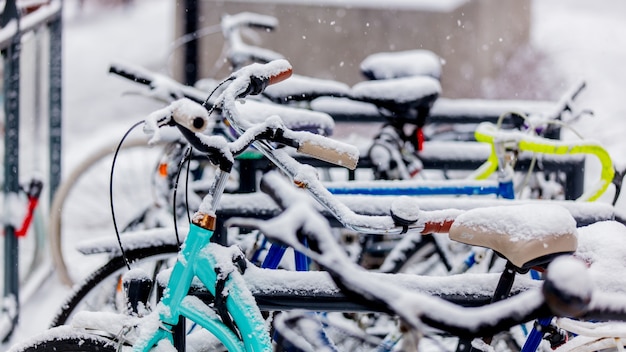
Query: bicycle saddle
408	99
526	235
400	64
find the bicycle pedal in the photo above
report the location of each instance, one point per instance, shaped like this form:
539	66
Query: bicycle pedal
137	287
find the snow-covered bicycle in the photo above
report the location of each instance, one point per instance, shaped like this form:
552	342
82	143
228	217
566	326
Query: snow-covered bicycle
405	218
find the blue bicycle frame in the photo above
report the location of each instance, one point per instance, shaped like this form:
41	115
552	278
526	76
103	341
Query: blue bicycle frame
275	255
501	188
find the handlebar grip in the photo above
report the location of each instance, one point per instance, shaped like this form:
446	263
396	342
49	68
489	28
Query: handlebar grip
280	76
259	76
329	154
567	288
190	115
132	74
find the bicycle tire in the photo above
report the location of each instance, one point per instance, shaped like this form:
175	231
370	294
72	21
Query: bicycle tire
60	200
116	264
84	343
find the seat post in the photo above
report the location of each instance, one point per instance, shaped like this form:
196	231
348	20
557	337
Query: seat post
505	283
502	291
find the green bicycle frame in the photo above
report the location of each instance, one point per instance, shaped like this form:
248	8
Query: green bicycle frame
197	259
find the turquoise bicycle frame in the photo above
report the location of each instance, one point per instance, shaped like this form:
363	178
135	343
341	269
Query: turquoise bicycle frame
197	259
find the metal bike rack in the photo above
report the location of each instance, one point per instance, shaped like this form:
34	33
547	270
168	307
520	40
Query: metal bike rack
15	23
573	169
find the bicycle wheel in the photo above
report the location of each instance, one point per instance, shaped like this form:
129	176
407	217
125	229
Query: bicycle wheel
80	208
100	291
62	341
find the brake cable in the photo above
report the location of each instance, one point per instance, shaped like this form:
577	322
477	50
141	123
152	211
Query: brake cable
117	232
186	158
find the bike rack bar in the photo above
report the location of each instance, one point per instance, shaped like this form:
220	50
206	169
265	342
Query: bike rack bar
55	97
573	169
14	25
315	299
11	57
452	111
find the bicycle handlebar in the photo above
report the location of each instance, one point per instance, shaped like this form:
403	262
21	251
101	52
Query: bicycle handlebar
161	86
565	103
131	74
192	118
253	79
333	156
489	133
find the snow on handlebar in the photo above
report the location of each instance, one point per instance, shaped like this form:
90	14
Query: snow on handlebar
253	79
182	112
194	118
158	86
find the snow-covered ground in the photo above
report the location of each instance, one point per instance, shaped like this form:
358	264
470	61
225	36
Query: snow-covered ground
576	39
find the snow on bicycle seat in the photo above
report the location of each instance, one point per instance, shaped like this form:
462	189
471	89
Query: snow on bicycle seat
301	88
408	99
526	235
295	119
398	64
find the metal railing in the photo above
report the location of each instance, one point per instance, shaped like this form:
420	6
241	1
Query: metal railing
15	22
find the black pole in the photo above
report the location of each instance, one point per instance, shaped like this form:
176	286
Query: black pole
11	57
55	100
191	48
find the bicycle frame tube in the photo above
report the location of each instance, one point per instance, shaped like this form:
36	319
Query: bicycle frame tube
276	253
196	260
239	302
536	335
416	189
